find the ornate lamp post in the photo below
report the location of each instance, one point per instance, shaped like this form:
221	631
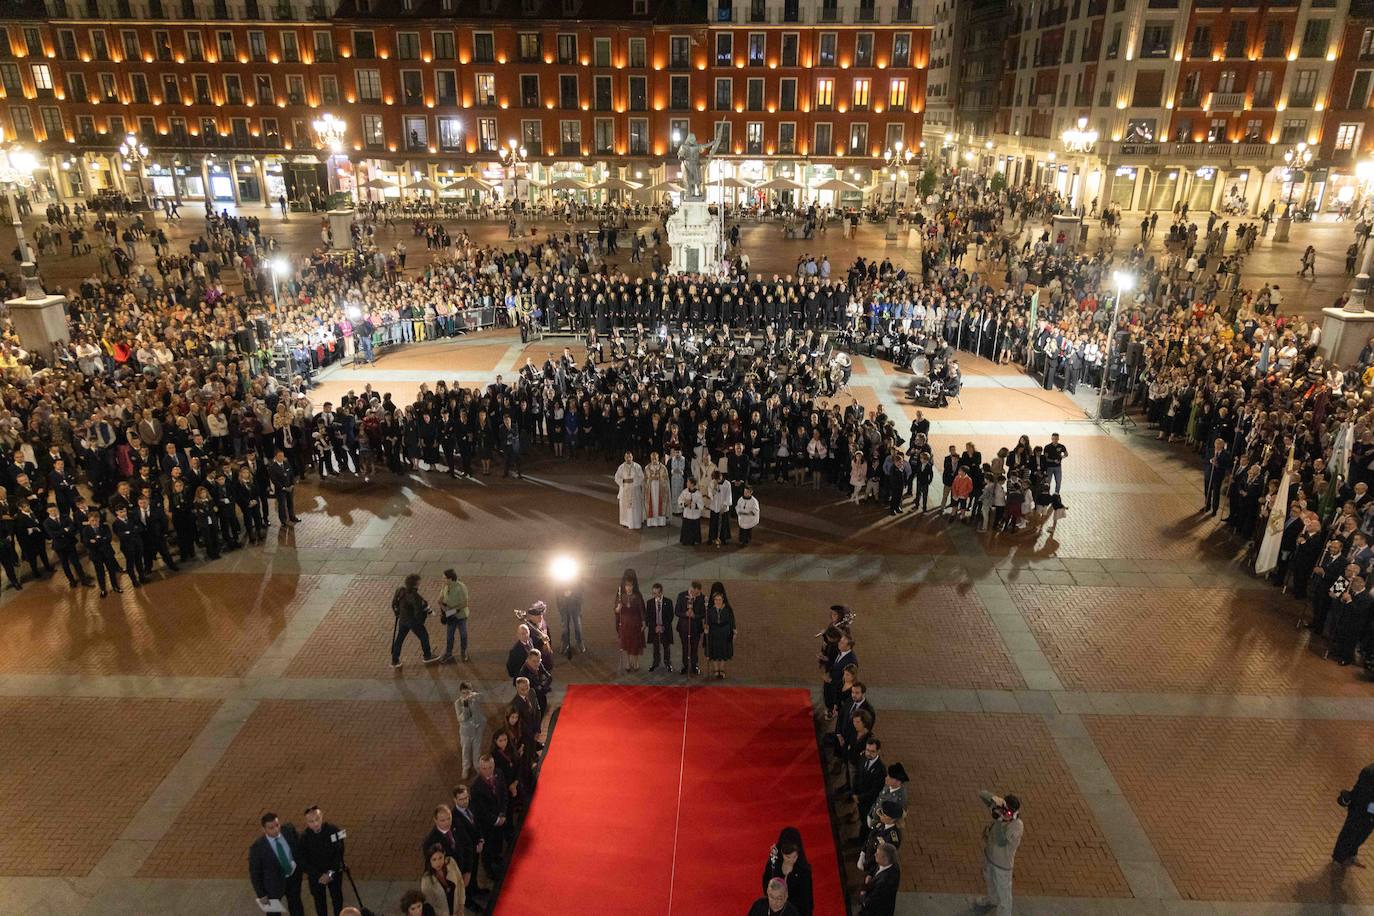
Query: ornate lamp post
1124	282
512	156
330	132
1359	293
16	171
1080	140
1296	159
895	160
135	157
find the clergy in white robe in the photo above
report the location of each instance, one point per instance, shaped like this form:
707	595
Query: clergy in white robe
629	477
655	492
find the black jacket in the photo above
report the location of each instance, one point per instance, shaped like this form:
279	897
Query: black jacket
318	852
265	871
880	897
690	627
659	612
489	803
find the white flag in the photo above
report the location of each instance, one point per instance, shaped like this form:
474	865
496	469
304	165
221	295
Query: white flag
1268	556
1340	451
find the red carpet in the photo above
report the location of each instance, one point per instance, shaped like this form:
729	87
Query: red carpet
664	800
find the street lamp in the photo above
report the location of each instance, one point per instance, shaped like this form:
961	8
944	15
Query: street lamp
512	155
1355	302
330	132
280	267
135	155
1080	140
894	160
16	171
1125	281
1297	159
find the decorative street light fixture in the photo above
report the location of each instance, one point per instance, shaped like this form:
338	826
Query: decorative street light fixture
330	131
16	172
513	155
895	160
1296	159
1080	140
135	156
1359	293
1124	280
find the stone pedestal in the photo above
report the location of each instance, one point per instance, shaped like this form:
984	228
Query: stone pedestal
1281	229
1344	334
340	226
694	234
890	233
41	321
1071	226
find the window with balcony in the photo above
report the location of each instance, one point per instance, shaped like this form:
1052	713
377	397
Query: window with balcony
757	45
484	47
905	10
66	44
271	135
417	133
257	47
859	99
262	89
639	93
1304	89
100	49
570	138
233	90
679	52
324	47
407	45
567	49
1359	90
830	11
201	84
486	90
1226	82
1315	38
23	122
858	139
529	90
787	94
76	83
679	93
486	135
901	49
224	43
1238	38
1347	137
791	11
787	138
53	128
444	47
42	80
826	49
863	49
531	48
723	134
532	135
725	11
753	138
374	137
725	94
138	84
1114	46
758	11
601	52
1264	89
603	136
638	53
209	131
639	137
825	94
1190	92
1367	44
1155	39
369	85
823	144
725	49
601	93
567	91
1201	46
176	131
329	90
753	95
1294	131
290	48
896	94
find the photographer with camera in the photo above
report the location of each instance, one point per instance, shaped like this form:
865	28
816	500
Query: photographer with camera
411	610
1000	841
322	859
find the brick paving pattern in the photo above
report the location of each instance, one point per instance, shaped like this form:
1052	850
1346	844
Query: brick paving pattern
73	772
1191	640
209	624
378	769
1242	810
950	757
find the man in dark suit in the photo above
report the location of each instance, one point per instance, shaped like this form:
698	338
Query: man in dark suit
272	865
469	832
843	659
130	535
869	776
659	617
283	480
96	536
491	809
774	902
1359	820
515	658
443	833
690	611
879	896
62	531
1215	466
322	859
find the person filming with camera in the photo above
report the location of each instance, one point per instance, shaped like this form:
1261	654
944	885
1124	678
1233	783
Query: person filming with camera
1001	838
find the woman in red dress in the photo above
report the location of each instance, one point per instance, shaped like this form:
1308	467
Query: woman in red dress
629	620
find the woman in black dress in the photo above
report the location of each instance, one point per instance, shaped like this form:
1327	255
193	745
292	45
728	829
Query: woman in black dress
787	860
720	631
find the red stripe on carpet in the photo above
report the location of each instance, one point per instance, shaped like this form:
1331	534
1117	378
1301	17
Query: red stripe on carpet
600	838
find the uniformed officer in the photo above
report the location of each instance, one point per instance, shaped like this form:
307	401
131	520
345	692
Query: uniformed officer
894	790
62	531
95	534
130	534
887	831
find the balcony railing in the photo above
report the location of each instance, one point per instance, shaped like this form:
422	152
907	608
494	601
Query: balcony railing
1209	152
1228	101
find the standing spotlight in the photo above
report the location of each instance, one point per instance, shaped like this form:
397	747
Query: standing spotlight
563	568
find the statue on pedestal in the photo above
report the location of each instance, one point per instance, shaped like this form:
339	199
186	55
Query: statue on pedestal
690	154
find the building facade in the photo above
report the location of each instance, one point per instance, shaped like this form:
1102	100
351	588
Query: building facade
225	93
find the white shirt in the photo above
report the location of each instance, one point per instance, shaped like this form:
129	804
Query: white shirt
748	511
